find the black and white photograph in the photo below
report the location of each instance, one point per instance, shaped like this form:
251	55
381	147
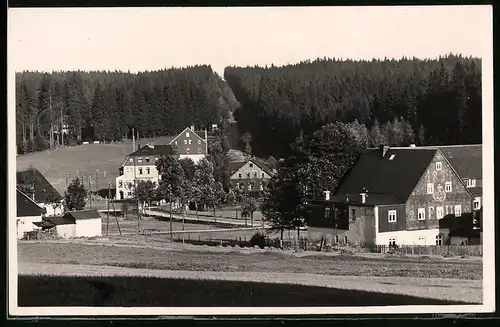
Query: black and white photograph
250	160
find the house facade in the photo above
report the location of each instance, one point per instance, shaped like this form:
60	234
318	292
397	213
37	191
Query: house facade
251	175
140	165
84	223
406	196
191	144
28	213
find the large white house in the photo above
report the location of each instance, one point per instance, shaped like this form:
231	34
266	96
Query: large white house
140	165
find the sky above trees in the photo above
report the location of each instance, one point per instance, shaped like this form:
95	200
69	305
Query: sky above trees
156	38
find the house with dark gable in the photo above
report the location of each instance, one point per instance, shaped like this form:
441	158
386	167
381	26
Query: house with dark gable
404	196
40	191
250	176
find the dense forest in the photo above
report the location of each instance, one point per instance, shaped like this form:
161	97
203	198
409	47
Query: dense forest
106	106
430	101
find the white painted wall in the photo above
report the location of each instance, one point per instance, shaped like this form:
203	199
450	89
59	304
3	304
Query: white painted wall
247	169
413	237
88	227
50	211
25	224
66	231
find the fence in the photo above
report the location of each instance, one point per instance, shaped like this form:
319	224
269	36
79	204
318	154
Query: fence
441	250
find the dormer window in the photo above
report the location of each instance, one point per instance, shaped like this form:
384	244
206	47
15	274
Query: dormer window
392	157
439	165
139	159
470	182
131	160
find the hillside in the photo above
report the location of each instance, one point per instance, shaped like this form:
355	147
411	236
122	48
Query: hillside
439	99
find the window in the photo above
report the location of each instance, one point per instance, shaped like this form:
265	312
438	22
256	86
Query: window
199	141
248	175
421	213
187	134
392	216
140	171
392	241
129	193
345	239
251	165
185	141
263	175
327	213
470	182
353	214
189	141
430	188
421	239
147	159
446	210
254	174
458	210
156	159
131	160
239	175
477	204
139	159
447	187
188	151
439	212
392	157
439	165
175	142
250	186
148	171
120	183
336	238
199	150
431	210
261	187
439	239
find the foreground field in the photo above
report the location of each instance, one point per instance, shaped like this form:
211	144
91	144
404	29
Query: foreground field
420	277
98	286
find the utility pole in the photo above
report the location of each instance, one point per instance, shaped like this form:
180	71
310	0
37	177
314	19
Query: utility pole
97	181
66	177
133	139
109	199
90	191
171	234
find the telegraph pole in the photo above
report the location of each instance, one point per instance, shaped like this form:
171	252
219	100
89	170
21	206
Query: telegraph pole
90	191
97	181
109	199
171	234
66	177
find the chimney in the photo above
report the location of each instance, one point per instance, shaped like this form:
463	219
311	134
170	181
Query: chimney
192	128
206	136
383	150
327	195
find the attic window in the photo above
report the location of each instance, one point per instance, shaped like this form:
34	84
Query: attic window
251	165
439	165
187	134
199	141
392	156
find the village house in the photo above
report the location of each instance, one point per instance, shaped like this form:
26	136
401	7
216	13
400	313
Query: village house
83	223
43	193
250	176
394	196
140	165
28	214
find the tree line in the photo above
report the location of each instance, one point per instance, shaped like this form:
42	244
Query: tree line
105	106
439	100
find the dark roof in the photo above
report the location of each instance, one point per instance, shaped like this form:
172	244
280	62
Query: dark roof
26	207
467	160
371	199
59	220
478	190
44	191
271	162
394	178
151	150
44	224
82	214
233	166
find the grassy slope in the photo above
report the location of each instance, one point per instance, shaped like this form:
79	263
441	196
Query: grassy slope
143	291
53	164
186	258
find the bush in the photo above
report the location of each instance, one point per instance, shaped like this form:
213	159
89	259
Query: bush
259	240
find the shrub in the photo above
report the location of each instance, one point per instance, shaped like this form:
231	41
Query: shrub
259	240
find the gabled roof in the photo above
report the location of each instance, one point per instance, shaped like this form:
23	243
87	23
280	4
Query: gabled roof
234	166
44	191
396	177
26	207
200	134
467	160
271	162
82	214
59	220
151	150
